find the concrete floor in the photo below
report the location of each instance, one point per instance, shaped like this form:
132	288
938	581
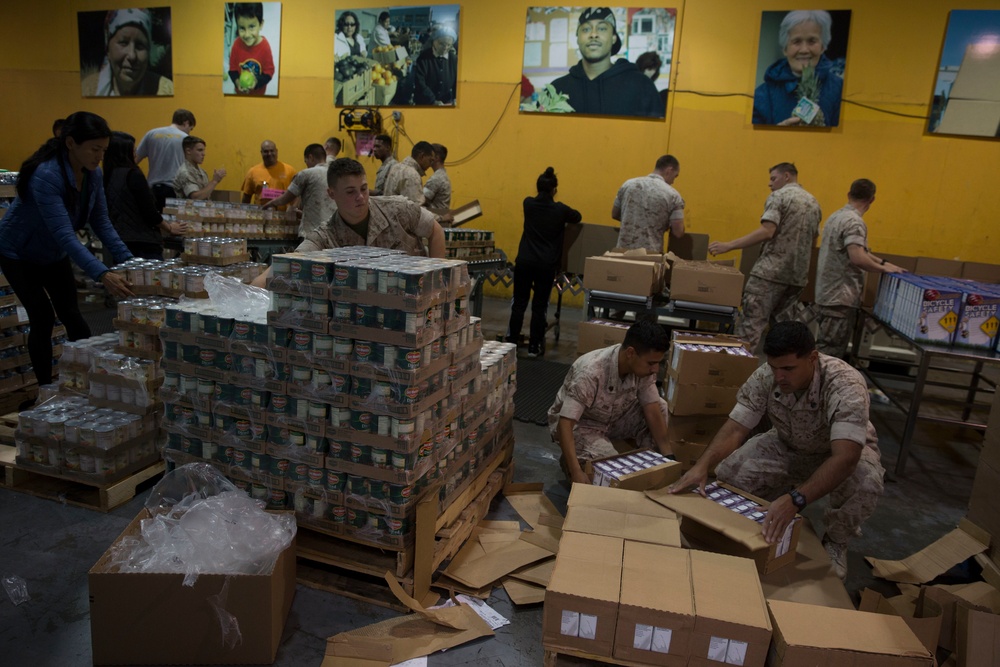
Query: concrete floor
52	545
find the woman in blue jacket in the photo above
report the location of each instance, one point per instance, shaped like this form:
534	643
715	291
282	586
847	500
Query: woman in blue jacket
59	191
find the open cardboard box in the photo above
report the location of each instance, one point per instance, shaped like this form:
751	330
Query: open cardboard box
725	531
814	636
653	477
711	283
153	619
599	510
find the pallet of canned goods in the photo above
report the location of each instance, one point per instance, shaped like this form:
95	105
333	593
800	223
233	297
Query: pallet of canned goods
232	220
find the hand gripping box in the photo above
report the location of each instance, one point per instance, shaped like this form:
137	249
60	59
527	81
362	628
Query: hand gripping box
812	636
729	521
153	619
581	600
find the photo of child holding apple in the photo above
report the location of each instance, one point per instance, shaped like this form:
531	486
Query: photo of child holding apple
252	65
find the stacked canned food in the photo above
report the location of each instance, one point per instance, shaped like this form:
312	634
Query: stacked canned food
469	244
214	218
70	436
216	247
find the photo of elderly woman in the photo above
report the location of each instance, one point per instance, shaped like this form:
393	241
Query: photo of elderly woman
800	68
396	56
126	52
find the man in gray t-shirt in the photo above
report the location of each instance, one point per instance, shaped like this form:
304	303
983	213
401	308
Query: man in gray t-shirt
162	147
309	185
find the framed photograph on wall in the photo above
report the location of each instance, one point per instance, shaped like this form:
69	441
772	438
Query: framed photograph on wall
800	68
252	43
399	56
967	90
126	52
609	61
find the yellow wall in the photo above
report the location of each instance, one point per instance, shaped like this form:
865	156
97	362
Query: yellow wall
937	195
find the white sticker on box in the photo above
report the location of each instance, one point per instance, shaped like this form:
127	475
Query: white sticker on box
736	654
716	648
570	625
786	541
642	639
661	639
588	626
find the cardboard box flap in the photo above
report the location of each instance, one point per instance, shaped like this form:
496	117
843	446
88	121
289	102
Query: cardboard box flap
639	527
638	254
588	566
926	626
529	501
934	560
711	514
978	637
657	577
617	500
496	564
727	588
843	629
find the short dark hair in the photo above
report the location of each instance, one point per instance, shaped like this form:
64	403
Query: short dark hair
384	139
547	182
316	151
333	141
784	168
665	161
649	60
440	151
421	148
343	166
646	335
383	16
249	10
789	338
862	190
182	116
190	141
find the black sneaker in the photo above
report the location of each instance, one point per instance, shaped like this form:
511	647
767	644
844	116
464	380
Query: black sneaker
535	351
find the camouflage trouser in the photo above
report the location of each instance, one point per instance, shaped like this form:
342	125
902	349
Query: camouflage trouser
764	302
836	324
593	442
767	469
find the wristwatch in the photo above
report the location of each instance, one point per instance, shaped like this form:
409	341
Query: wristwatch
798	499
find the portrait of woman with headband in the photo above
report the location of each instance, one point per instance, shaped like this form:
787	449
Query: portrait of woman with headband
130	58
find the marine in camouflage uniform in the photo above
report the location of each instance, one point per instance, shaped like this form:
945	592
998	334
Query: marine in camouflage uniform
647	207
404	180
393	222
604	405
834	407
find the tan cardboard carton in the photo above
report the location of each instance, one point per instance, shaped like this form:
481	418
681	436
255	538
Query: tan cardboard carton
812	636
694	364
599	510
934	266
591	240
694	428
651	476
656	615
698	399
722	529
978	637
924	619
705	282
731	625
581	600
153	619
624	274
688	453
598	334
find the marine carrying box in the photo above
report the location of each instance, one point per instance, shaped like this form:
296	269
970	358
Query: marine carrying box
153	619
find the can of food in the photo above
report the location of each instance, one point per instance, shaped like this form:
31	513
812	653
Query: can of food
410	281
170	350
315	443
399	494
260	462
302	341
361	387
378	490
319	308
357	485
383	425
408	359
360	454
366	277
208	450
302	374
375	524
174	440
426	449
278	499
379	457
279	404
340	384
241	458
299	472
224	393
190	354
397	527
356	518
399	460
342	276
317	410
258	491
258	432
320	379
403	428
409	322
365	315
343	347
226	326
242	331
338	514
338	450
340	417
322	345
156	315
260	399
296	438
335	480
314	476
244	429
277	435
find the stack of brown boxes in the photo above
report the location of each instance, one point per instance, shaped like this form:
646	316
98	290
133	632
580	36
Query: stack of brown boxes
704	374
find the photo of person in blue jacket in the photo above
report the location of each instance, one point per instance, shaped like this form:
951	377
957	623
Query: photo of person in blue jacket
807	68
60	190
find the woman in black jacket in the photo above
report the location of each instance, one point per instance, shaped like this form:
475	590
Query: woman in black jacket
131	205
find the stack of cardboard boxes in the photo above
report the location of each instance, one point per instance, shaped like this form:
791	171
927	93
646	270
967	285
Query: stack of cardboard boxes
367	382
704	374
15	363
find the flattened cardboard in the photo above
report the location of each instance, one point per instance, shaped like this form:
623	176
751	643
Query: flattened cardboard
977	595
732	618
406	637
656	614
813	636
978	637
725	531
934	560
544	535
497	564
522	593
617	500
529	501
581	601
538	574
926	628
135	618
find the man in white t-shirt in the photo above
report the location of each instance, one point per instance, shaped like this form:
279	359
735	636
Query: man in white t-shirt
162	147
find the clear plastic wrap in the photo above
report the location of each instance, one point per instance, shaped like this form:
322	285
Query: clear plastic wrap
202	524
234	299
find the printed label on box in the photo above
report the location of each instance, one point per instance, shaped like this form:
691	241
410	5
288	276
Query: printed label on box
729	651
661	639
570	624
717	648
588	626
642	639
786	540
